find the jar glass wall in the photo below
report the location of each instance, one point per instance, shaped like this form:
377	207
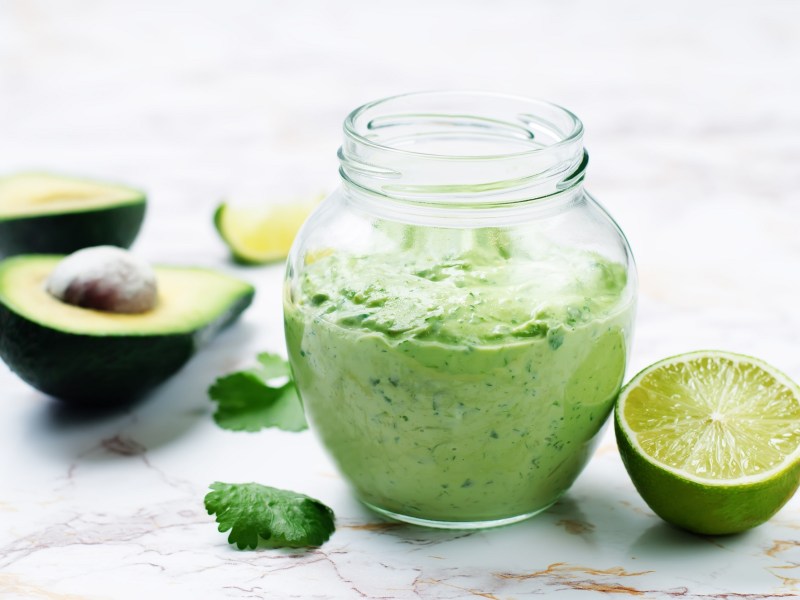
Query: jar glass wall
459	313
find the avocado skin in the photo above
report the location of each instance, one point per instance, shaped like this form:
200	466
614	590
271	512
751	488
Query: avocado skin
63	233
97	369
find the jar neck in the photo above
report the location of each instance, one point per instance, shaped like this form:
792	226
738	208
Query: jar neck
462	149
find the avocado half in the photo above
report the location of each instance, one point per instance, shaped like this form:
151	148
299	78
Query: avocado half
92	356
47	213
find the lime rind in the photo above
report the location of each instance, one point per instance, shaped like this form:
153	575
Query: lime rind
703	508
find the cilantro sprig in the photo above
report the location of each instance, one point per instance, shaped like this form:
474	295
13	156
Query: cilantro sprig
264	396
258	515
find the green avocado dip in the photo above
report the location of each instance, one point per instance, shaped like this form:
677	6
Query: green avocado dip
470	389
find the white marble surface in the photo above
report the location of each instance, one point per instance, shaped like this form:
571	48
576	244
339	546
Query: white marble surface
693	118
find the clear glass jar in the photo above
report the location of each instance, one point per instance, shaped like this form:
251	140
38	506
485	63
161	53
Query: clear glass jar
459	312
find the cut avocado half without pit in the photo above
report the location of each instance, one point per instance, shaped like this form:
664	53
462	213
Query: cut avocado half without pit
54	214
93	356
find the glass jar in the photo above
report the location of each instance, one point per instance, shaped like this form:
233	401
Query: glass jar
459	312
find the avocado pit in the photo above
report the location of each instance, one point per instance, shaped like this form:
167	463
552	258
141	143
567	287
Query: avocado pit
104	278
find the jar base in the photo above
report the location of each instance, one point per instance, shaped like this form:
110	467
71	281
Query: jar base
456	524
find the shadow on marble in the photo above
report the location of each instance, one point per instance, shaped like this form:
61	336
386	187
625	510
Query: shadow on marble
662	540
565	516
62	414
163	416
577	521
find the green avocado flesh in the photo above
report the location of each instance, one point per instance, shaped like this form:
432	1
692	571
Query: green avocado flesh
87	355
55	214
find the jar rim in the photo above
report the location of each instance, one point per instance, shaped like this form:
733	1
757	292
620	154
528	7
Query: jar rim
573	131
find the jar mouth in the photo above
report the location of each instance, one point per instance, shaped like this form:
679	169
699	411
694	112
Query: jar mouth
535	126
462	148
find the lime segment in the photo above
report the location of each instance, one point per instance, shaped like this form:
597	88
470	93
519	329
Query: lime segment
711	439
257	235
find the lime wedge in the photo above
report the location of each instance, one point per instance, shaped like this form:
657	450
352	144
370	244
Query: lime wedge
711	440
258	235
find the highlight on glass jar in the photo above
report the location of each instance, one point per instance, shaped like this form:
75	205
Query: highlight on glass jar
459	312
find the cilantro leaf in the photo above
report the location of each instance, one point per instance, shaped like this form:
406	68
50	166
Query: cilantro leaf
272	366
252	400
247	403
257	515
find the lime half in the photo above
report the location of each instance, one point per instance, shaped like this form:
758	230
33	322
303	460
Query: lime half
258	235
711	440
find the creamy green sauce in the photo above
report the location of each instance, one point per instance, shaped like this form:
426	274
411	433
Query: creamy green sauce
464	389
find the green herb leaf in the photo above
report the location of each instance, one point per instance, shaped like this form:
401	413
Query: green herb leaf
273	366
260	515
253	400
